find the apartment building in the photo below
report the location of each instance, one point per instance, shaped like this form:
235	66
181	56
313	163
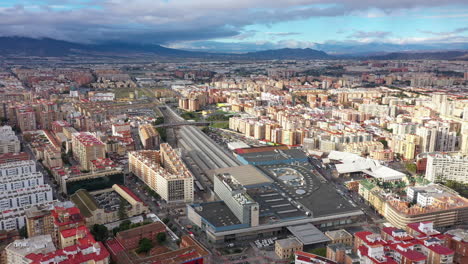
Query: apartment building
86	148
20	181
18	251
285	248
53	219
26	118
340	236
443	167
13	157
41	249
120	129
21	186
164	172
434	203
21	198
458	242
149	136
9	142
40	221
418	244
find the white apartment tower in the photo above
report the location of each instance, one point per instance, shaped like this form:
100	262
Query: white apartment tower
442	167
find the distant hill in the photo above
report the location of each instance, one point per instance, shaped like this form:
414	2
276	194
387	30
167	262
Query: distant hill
287	53
439	55
58	48
36	47
22	46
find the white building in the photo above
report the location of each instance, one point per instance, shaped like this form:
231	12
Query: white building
102	97
25	197
443	167
352	163
164	172
17	251
120	128
12	169
9	142
21	186
20	181
12	219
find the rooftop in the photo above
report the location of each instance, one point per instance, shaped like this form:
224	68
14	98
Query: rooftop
308	234
217	213
34	245
290	242
137	231
338	234
85	202
245	175
315	195
275	155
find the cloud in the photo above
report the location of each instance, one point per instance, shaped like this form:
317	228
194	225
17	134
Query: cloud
168	21
447	33
331	47
239	47
370	34
282	34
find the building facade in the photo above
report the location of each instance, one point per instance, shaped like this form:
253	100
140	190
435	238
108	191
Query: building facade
86	148
443	167
149	136
9	142
164	172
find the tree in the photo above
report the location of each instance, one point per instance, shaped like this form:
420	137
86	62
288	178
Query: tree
125	225
144	245
159	121
411	167
122	213
100	232
384	143
23	232
161	237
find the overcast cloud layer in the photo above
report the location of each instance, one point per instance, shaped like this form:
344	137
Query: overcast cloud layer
181	22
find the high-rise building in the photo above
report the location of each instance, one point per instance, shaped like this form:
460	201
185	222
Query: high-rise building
26	118
9	142
149	136
164	172
86	148
21	186
39	221
442	167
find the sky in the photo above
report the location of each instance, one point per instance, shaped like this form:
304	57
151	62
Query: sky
243	25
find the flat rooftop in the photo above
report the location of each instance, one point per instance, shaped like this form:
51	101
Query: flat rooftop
274	205
289	242
217	213
315	195
308	234
246	175
277	155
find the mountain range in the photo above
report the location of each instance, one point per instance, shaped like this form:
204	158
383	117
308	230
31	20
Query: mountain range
46	47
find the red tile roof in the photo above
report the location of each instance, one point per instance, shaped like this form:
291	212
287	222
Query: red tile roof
129	192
